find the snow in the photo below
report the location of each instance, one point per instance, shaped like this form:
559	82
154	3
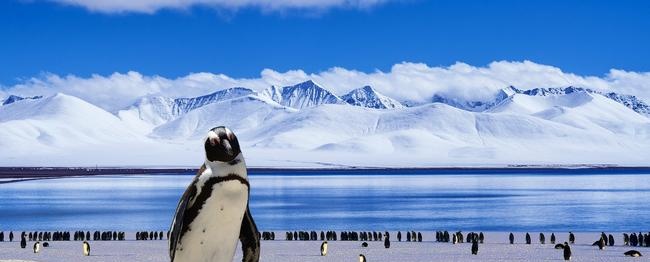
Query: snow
495	248
307	126
369	97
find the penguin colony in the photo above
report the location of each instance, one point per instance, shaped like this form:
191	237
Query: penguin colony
633	239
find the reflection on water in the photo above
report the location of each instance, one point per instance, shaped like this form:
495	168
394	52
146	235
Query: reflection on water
363	200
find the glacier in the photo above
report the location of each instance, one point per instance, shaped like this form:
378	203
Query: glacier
305	125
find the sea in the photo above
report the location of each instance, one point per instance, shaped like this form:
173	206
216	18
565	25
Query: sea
537	200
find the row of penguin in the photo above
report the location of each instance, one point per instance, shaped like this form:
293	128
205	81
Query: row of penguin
633	239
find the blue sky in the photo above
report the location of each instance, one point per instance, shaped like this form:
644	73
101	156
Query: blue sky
582	37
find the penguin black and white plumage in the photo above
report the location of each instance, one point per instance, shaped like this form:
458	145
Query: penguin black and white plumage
364	244
213	213
86	248
387	241
481	237
23	242
362	258
542	238
559	246
567	251
572	238
553	238
37	247
323	248
611	240
512	238
528	241
633	253
399	236
474	247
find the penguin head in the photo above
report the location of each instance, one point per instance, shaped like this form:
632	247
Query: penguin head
221	145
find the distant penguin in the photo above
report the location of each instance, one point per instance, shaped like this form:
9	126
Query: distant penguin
633	253
512	238
481	237
528	240
567	251
559	246
419	237
386	241
364	244
213	214
323	248
399	236
611	240
572	238
2	236
454	239
553	238
542	238
45	244
626	239
37	247
362	258
604	237
408	236
86	248
601	244
23	242
474	247
11	236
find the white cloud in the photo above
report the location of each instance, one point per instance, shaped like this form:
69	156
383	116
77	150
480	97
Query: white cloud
405	81
151	6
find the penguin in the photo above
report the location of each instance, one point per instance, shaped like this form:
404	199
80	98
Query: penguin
611	240
23	242
481	237
45	244
542	238
567	251
387	241
213	212
626	239
11	236
86	248
559	246
633	253
604	237
455	240
323	249
601	244
474	247
364	244
399	236
512	238
37	247
528	241
572	238
553	238
362	258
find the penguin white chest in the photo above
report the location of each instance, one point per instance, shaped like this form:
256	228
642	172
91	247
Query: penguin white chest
214	233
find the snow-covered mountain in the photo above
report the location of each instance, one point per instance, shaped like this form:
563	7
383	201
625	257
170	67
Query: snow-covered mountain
369	97
13	98
306	125
303	95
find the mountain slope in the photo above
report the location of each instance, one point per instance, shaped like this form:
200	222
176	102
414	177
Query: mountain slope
369	97
303	95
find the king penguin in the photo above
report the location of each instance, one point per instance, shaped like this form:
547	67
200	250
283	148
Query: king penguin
86	248
37	247
213	213
323	248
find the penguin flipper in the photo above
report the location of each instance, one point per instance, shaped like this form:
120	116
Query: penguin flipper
177	223
249	237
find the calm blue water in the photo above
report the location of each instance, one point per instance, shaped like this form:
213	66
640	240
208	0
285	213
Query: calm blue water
380	200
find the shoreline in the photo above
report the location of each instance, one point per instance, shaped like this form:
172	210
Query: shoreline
57	172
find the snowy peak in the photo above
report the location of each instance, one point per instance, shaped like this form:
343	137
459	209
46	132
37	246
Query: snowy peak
369	97
14	98
158	110
303	95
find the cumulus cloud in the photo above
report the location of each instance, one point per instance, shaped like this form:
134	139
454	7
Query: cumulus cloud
151	6
405	81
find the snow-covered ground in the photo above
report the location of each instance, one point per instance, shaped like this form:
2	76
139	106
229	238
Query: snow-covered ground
494	249
307	126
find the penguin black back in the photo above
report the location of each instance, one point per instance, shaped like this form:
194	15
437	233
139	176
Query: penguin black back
633	253
528	240
567	251
512	238
474	247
